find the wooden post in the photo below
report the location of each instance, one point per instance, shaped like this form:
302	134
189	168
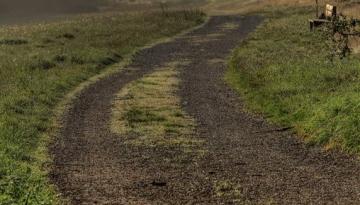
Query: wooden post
317	8
330	11
311	25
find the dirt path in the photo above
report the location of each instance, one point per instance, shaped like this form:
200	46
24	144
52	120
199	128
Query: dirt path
246	159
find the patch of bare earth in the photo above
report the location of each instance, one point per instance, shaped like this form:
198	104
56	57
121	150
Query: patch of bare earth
247	161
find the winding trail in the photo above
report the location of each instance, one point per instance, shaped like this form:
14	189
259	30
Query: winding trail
247	161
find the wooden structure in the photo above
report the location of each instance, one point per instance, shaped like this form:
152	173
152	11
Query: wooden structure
326	17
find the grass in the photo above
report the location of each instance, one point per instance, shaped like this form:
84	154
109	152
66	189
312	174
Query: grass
40	64
217	7
150	109
283	71
230	190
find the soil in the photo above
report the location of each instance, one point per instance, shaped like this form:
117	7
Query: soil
247	160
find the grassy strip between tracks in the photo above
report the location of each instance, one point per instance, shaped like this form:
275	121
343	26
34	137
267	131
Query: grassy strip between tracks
149	109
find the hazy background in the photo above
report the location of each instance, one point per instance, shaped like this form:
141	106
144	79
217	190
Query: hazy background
30	6
24	11
13	11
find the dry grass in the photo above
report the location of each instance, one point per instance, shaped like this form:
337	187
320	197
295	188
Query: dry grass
352	11
216	61
217	7
355	44
151	5
208	38
149	110
230	26
230	190
234	193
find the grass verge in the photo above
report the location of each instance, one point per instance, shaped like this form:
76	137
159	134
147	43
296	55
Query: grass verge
283	71
40	64
149	112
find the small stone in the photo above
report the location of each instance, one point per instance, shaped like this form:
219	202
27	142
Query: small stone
158	183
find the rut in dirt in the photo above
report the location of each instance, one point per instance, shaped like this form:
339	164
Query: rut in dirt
247	160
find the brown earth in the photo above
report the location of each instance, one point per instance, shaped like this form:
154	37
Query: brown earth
247	160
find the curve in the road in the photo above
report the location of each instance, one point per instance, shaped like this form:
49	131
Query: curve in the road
247	160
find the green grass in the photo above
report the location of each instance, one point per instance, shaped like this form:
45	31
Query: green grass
40	64
283	71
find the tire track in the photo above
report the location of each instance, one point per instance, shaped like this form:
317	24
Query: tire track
244	163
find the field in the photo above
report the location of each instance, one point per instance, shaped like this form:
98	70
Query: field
281	71
288	76
39	64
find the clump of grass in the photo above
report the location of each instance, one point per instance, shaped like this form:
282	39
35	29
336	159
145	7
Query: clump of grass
77	60
60	58
229	190
110	59
150	109
13	42
43	64
134	116
34	77
283	71
230	26
68	36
